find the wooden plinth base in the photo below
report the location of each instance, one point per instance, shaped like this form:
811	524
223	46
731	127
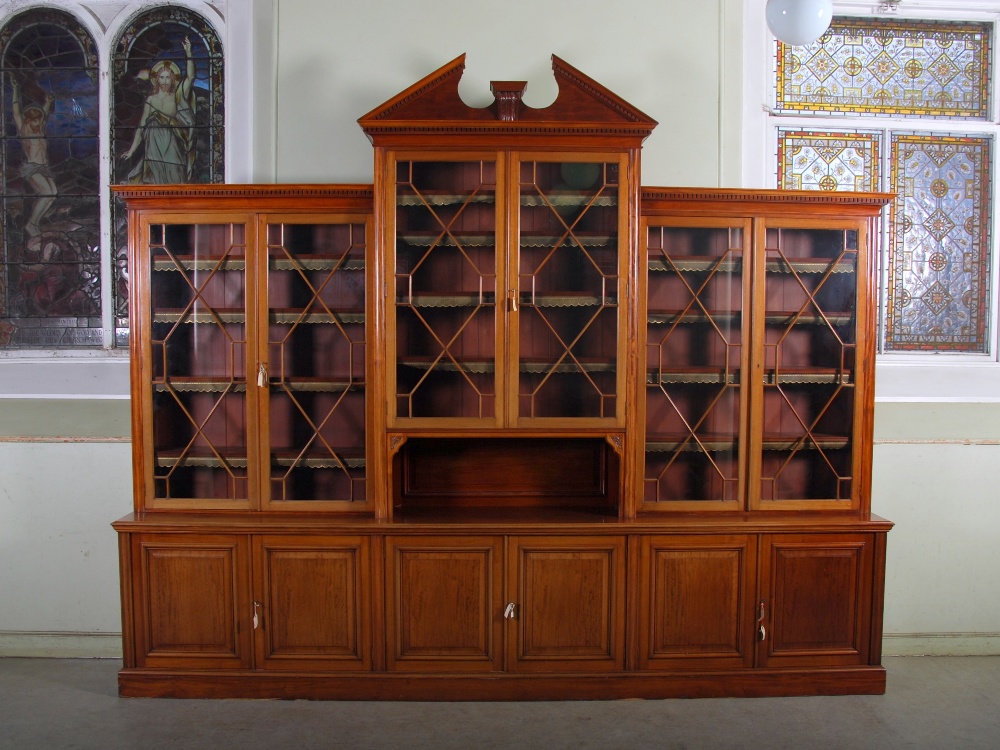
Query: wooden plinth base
751	684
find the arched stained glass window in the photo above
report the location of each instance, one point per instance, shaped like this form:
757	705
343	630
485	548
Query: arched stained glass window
166	115
50	293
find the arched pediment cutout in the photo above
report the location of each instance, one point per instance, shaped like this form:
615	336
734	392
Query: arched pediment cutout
582	109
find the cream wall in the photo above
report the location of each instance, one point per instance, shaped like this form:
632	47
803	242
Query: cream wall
679	62
318	66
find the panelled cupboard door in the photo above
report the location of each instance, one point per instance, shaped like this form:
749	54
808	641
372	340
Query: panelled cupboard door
816	600
192	601
696	602
312	600
444	604
566	611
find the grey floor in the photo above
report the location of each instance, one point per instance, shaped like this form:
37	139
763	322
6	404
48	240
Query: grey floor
931	702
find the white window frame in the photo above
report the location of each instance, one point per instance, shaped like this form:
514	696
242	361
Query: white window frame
901	377
246	30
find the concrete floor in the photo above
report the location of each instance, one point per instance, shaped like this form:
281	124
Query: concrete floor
931	702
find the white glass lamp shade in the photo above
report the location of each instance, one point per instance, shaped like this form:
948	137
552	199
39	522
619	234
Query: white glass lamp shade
798	22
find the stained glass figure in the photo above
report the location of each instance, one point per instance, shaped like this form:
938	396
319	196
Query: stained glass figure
939	243
815	160
166	115
902	68
50	293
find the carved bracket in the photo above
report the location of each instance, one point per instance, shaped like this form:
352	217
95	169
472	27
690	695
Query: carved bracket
508	98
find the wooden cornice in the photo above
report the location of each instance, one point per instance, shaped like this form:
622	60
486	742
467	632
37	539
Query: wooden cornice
432	106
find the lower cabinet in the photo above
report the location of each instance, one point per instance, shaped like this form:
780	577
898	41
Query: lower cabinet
816	605
454	615
566	604
191	599
696	602
305	607
444	603
522	604
312	605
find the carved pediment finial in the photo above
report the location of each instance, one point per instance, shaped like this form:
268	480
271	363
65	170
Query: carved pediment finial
508	98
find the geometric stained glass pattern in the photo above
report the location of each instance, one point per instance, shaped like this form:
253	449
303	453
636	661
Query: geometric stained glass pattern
899	68
815	160
167	116
939	243
50	289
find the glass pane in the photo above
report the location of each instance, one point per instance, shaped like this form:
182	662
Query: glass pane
815	160
166	115
694	345
810	350
198	347
445	289
568	289
50	282
316	345
898	67
939	269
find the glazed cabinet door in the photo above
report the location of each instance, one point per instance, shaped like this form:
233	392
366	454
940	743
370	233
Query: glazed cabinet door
312	372
193	330
444	604
695	601
566	606
312	603
815	606
443	272
192	604
808	451
505	275
566	286
696	335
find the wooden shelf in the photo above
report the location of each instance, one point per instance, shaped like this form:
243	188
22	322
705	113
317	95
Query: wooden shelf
224	315
315	263
695	264
723	443
696	375
697	315
276	263
345	458
314	385
289	316
567	365
189	263
199	385
443	198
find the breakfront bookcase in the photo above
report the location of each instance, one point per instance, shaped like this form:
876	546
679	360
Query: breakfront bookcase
504	425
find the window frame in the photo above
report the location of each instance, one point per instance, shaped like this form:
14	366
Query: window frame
900	376
244	28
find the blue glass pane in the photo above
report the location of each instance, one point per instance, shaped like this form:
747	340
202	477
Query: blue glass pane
50	212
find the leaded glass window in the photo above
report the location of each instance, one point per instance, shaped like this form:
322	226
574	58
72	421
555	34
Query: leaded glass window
50	292
167	116
889	67
939	243
824	160
937	295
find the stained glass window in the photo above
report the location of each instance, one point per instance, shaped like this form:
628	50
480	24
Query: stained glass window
823	160
166	115
939	238
50	292
894	67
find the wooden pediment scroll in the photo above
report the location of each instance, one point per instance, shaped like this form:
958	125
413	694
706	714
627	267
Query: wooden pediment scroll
583	112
